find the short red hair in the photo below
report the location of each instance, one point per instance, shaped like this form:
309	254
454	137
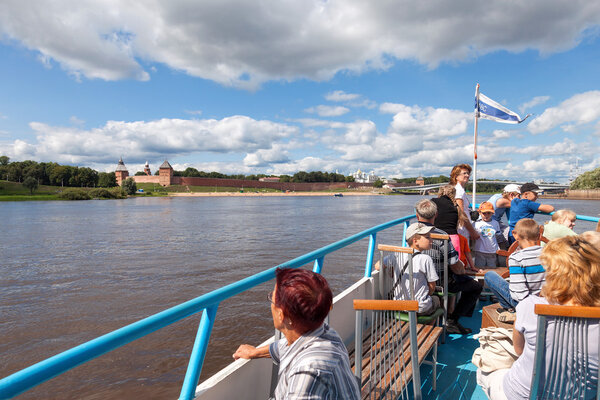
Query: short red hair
303	296
456	170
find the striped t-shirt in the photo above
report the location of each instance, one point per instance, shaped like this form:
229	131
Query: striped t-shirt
527	275
315	366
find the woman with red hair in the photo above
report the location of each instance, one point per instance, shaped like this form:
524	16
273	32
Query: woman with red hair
313	361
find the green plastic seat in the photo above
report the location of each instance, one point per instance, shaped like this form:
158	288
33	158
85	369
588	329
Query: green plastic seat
422	319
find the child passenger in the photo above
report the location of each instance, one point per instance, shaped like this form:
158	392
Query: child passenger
527	275
486	245
424	274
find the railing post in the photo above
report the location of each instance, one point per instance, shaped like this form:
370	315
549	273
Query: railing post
370	252
188	390
406	224
414	357
318	265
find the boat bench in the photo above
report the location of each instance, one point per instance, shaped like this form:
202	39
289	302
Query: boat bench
389	355
489	317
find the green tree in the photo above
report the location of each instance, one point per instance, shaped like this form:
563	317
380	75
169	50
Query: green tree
129	186
587	180
4	160
107	179
30	183
378	184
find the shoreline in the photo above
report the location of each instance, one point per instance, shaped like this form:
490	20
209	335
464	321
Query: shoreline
269	194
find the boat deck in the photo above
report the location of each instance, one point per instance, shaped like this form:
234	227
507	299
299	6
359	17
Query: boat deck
456	374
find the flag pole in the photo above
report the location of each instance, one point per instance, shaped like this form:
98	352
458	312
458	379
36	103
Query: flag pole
475	144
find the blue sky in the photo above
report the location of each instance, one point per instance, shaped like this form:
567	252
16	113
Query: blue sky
281	86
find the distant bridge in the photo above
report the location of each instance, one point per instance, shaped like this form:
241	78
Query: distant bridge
425	188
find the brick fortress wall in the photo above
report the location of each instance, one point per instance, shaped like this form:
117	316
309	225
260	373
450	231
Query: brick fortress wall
192	181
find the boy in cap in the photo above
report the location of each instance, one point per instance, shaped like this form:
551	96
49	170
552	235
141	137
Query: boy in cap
525	207
424	274
486	245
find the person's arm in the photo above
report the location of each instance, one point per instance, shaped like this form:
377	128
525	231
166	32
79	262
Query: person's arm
518	341
458	268
547	208
502	203
249	352
431	286
466	220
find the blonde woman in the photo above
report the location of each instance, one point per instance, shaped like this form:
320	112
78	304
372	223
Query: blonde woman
573	279
561	225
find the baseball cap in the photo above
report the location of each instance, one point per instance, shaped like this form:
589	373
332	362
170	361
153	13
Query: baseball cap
418	228
511	187
486	206
530	187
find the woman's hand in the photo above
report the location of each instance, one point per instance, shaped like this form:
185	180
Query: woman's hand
249	352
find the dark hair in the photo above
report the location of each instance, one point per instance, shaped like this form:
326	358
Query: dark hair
304	297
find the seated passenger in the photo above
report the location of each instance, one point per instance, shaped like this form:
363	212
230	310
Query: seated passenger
561	225
458	281
572	267
526	272
313	361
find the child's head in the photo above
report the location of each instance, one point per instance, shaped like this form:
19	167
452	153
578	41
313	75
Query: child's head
526	229
486	210
418	236
565	217
529	191
572	266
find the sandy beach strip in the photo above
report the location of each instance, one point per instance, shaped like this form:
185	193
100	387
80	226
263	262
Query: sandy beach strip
268	194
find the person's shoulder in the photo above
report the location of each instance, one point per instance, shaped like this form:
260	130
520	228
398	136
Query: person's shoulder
529	302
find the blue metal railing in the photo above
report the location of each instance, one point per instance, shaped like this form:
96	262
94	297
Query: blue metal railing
29	377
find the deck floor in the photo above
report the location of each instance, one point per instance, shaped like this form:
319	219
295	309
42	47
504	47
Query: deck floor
456	374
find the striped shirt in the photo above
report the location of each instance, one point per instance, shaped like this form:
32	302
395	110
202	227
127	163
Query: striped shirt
527	275
315	366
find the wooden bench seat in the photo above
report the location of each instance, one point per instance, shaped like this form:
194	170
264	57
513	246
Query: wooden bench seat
397	364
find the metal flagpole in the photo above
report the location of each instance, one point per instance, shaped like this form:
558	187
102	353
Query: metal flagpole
475	144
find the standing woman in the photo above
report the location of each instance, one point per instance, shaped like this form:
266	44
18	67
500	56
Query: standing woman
459	177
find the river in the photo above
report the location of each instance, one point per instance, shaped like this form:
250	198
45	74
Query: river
72	271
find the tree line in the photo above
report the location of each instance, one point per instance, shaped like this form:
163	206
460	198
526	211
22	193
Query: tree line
54	174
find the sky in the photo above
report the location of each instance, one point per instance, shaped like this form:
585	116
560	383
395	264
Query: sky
277	87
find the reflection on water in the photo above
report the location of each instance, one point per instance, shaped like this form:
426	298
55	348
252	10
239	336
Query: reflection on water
72	271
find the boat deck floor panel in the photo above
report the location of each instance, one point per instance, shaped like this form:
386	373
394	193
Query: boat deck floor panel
456	373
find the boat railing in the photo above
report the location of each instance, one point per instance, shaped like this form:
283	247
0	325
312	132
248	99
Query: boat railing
208	304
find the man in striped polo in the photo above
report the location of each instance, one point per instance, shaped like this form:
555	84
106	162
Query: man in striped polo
527	275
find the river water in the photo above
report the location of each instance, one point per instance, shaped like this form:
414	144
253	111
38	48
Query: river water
72	271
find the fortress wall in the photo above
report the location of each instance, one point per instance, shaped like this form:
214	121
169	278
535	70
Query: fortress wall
191	181
145	179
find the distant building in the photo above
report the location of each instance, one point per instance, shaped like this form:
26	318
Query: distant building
121	172
147	169
420	181
363	177
269	179
165	174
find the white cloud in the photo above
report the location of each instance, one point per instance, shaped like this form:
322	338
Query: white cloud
340	95
141	140
243	44
533	102
500	134
264	157
427	122
76	121
327	111
580	109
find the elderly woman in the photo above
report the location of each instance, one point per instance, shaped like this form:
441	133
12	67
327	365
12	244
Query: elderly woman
561	225
459	176
313	361
572	269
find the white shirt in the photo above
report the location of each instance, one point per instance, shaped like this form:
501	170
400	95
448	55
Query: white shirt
487	242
